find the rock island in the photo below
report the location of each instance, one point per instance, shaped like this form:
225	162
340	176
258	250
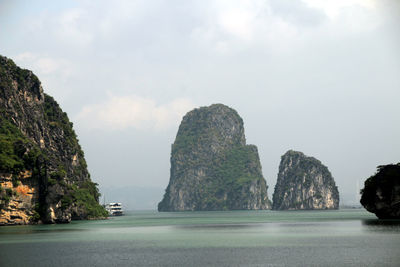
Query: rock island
304	183
212	168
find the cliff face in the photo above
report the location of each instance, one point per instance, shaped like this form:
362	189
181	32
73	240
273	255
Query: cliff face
212	168
381	193
304	183
43	174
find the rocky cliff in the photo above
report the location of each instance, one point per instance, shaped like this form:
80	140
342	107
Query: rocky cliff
43	174
381	193
212	168
304	183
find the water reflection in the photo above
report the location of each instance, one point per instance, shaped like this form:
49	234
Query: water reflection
216	226
377	225
35	230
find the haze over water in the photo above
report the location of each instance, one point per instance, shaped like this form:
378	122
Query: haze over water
232	238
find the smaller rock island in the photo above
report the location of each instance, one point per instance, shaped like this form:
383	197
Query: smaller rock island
304	183
381	193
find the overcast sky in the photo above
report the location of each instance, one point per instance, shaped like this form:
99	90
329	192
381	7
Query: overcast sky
318	76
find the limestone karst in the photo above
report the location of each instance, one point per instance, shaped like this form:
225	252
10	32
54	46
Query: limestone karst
381	193
43	172
212	168
304	183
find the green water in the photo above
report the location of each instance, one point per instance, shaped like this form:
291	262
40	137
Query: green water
231	238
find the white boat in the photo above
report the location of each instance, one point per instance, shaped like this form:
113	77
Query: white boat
114	209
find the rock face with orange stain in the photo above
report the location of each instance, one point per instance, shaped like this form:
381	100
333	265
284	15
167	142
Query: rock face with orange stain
19	208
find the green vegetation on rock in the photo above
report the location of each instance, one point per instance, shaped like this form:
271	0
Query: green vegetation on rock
5	196
84	198
17	152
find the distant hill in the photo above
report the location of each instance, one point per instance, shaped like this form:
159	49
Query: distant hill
132	197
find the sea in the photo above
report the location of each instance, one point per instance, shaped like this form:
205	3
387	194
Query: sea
345	237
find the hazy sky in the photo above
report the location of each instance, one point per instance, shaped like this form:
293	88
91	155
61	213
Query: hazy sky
319	76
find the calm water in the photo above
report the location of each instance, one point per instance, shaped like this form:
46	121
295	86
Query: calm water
236	238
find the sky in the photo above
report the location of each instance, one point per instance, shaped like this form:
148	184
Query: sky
317	76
